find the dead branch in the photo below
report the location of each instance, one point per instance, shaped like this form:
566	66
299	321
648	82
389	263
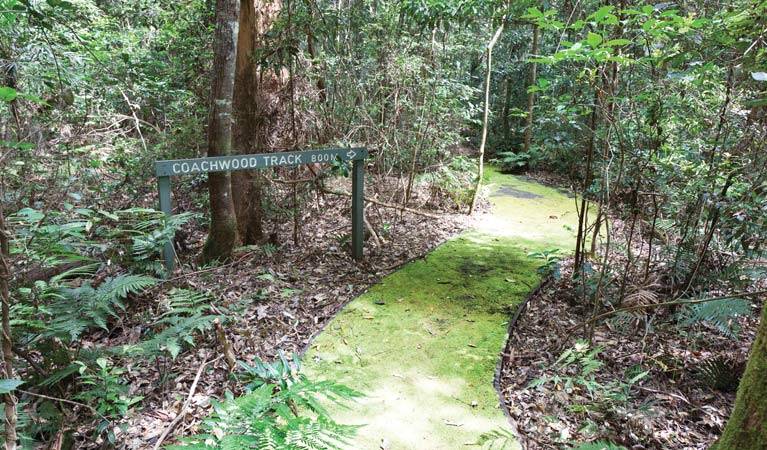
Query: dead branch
385	205
184	408
654	305
226	346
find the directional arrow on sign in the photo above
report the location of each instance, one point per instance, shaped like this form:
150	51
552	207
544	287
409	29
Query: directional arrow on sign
351	154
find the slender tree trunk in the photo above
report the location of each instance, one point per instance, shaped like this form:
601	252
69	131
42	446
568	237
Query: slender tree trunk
747	427
583	211
505	122
8	399
486	114
531	95
222	237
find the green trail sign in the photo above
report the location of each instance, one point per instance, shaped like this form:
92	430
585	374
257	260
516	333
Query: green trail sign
167	169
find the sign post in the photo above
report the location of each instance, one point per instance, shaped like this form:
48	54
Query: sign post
169	168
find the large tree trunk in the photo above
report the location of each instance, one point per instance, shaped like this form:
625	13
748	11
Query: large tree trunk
222	237
264	119
747	427
247	184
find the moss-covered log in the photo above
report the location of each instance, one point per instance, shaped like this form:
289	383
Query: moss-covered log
747	427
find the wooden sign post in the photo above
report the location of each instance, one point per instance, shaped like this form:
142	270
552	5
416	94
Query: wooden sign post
169	168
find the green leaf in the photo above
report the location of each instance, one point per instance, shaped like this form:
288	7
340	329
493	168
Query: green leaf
617	42
648	9
7	94
7	385
697	23
32	98
602	13
594	39
533	12
173	348
30	215
18	145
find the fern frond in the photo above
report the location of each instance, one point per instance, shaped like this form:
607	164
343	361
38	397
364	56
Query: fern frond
266	417
186	301
180	330
720	314
303	433
306	394
78	272
123	286
721	373
498	439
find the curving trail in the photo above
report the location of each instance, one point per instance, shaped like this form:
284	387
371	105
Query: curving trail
423	345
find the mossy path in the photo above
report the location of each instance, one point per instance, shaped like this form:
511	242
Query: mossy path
423	345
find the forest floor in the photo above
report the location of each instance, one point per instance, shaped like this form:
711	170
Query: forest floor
278	296
686	375
283	297
682	402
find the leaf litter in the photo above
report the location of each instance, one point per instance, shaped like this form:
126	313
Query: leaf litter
279	299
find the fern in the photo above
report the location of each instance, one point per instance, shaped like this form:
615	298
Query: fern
720	373
181	332
269	417
185	301
71	311
498	439
186	315
94	307
143	233
720	314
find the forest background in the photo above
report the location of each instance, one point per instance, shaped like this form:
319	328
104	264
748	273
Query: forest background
654	114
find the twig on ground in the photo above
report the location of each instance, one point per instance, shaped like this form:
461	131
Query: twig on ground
63	400
188	401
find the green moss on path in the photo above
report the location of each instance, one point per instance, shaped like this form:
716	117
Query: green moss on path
423	344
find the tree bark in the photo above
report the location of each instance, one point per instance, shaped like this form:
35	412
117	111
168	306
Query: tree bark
747	427
222	237
246	191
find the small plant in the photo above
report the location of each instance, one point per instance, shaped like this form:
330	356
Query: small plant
550	265
498	439
579	366
511	162
187	314
106	391
281	410
343	239
385	229
720	373
454	181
